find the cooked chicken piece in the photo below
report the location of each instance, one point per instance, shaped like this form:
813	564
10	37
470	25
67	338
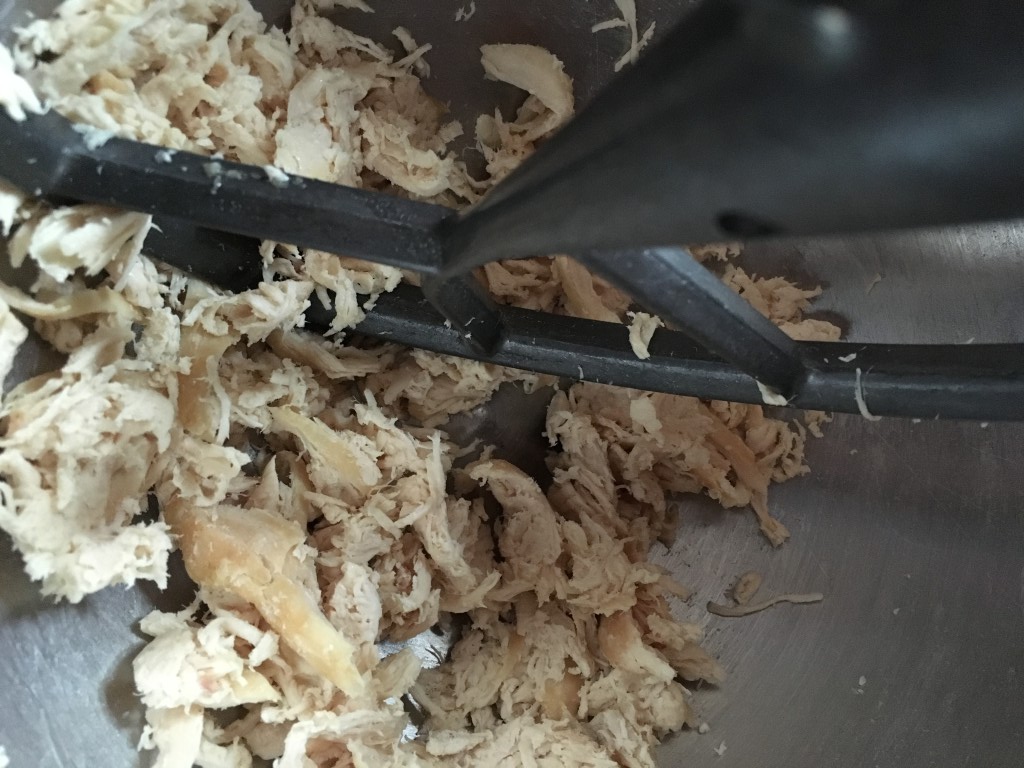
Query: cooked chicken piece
334	361
81	237
530	538
347	459
16	95
77	456
535	70
641	330
622	644
548	743
264	559
745	587
176	734
783	303
637	42
559	284
434	387
12	336
587	295
188	665
481	662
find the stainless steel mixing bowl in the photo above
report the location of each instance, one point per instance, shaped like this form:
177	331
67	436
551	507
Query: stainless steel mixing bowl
914	532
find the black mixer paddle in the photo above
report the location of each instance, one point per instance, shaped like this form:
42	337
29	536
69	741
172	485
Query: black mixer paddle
752	118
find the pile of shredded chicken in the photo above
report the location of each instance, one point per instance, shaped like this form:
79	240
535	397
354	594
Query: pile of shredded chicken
308	482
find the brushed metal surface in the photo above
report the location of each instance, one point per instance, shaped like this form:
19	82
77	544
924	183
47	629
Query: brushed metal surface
914	532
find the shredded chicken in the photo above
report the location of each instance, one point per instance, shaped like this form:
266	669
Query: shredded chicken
16	95
637	42
783	303
317	505
506	144
79	452
560	285
12	336
715	251
745	587
641	330
432	387
11	202
738	611
83	237
624	451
